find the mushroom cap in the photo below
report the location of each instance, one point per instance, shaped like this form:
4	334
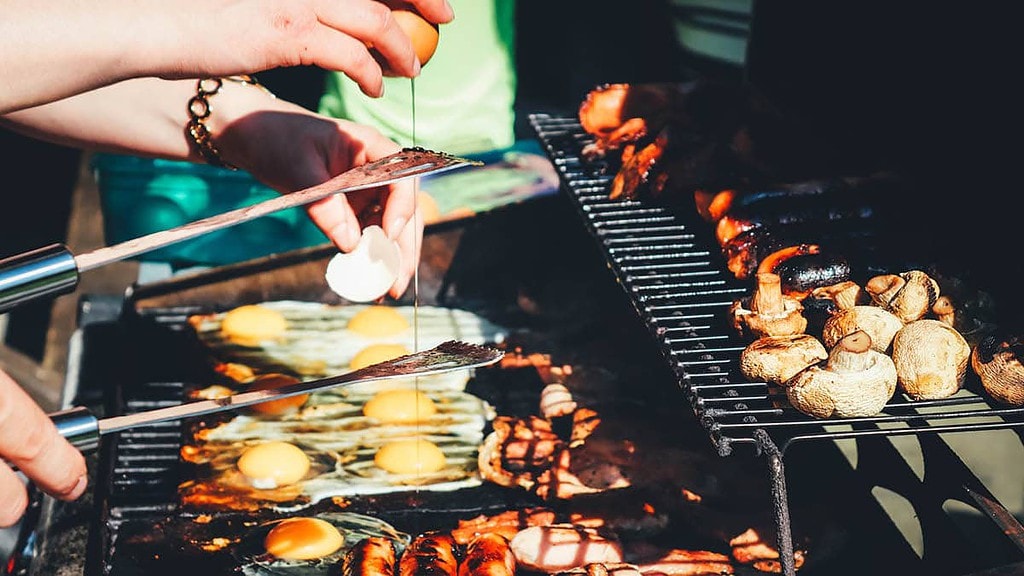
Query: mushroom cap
931	359
997	362
823	391
880	324
775	359
909	295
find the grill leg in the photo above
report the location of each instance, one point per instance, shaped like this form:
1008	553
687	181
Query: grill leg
780	502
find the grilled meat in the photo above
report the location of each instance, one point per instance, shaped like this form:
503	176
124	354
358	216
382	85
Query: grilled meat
564	546
506	523
429	554
488	554
371	556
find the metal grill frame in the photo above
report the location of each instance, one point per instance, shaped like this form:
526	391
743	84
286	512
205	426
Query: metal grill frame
677	283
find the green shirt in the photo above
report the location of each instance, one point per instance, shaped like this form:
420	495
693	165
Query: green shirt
464	95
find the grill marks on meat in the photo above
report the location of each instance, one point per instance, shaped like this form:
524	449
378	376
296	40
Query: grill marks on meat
429	554
488	554
506	523
371	556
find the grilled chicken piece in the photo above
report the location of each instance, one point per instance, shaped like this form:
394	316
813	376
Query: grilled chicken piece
564	546
506	523
618	114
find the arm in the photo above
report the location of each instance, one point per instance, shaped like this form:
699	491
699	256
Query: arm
52	50
282	144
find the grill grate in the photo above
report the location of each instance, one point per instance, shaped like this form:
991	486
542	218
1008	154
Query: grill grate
678	284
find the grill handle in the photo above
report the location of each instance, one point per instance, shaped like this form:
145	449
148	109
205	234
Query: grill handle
79	427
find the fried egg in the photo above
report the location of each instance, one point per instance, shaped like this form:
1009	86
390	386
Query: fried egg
410	456
280	406
376	353
378	322
250	324
312	545
399	405
273	464
319	341
302	538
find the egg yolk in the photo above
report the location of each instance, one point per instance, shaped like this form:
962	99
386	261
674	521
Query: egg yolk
282	405
303	539
251	323
273	464
377	321
410	457
376	353
401	405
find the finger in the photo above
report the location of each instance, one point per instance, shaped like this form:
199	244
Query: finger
410	243
344	53
373	24
30	441
436	11
399	206
13	497
335	217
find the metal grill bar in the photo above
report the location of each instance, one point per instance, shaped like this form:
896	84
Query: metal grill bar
676	279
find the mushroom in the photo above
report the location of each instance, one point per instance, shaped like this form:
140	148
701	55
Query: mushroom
931	359
999	363
855	381
767	312
880	325
845	294
909	295
775	359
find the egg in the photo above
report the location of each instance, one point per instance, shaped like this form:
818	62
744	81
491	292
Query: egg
252	323
366	273
378	321
423	35
416	456
400	406
281	406
376	353
303	538
273	464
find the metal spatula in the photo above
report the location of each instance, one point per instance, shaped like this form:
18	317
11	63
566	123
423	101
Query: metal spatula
83	429
53	270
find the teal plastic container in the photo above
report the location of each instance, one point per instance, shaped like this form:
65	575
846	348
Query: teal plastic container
140	196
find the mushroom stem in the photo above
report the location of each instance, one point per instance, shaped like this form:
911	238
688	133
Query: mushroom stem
849	353
768	294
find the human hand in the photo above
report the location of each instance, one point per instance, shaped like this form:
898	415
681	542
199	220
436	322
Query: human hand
331	34
290	148
30	441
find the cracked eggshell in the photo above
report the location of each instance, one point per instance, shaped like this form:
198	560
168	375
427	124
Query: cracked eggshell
366	273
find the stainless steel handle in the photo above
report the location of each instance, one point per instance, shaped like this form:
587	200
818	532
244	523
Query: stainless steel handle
79	427
46	271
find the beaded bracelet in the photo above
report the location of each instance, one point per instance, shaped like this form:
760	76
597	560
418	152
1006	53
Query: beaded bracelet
199	110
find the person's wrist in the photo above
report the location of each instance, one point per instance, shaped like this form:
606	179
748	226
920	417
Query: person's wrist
217	103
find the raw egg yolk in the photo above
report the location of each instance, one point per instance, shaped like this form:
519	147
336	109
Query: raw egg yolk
376	353
376	321
410	457
303	539
273	464
280	406
251	323
401	405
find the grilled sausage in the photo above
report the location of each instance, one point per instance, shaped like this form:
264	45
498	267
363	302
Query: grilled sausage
488	554
802	274
429	554
371	556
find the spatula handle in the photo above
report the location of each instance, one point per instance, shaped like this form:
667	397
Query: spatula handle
79	427
47	271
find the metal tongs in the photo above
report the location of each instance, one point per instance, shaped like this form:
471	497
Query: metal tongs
80	427
53	270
